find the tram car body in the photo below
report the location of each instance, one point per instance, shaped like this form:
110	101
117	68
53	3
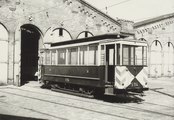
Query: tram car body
102	64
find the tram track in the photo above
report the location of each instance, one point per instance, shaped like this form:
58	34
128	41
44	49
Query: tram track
163	93
113	105
170	107
36	111
71	106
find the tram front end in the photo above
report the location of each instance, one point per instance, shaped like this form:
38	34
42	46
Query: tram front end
127	70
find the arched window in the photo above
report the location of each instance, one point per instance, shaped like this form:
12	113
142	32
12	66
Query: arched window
168	59
156	59
56	35
60	34
85	34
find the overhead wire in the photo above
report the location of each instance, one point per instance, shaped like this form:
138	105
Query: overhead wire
116	4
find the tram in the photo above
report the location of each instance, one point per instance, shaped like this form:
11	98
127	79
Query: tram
103	64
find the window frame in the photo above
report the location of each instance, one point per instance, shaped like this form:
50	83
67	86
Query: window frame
96	56
65	56
143	59
81	49
69	56
47	57
66	53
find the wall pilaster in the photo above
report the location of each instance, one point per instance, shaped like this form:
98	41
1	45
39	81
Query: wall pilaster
11	41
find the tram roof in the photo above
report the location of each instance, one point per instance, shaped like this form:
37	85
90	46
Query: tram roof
89	39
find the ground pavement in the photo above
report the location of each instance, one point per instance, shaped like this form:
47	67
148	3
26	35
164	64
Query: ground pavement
30	102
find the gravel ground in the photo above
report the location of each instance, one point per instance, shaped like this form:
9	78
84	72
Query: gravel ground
30	102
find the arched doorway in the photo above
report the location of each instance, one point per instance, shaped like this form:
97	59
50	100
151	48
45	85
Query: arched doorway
30	36
168	59
156	59
3	54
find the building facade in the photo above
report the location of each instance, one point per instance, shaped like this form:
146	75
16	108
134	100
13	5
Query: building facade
159	34
26	27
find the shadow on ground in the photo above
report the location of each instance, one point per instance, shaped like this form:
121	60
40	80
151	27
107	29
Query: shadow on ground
122	98
129	98
11	117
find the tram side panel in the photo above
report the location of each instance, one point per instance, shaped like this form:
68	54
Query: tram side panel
91	76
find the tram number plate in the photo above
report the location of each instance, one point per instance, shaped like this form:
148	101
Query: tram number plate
135	84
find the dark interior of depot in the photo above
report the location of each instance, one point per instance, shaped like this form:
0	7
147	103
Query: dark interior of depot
29	53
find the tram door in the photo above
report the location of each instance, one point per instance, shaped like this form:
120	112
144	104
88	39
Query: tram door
110	63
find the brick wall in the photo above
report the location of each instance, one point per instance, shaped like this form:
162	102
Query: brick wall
73	15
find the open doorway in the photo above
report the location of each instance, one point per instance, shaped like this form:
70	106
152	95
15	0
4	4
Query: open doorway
30	36
110	63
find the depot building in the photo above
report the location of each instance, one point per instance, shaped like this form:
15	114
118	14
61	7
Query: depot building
159	34
28	27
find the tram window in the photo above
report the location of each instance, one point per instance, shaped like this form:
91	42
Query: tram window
118	54
93	55
144	55
138	56
41	58
132	54
102	55
53	57
111	56
47	57
125	55
83	55
72	56
62	56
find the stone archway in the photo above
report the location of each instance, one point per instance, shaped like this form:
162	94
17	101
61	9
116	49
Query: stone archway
156	59
168	51
27	44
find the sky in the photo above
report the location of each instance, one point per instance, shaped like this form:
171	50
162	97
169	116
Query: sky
134	10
